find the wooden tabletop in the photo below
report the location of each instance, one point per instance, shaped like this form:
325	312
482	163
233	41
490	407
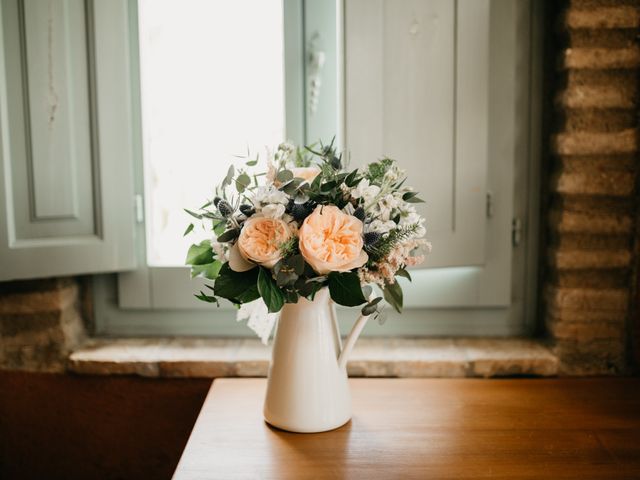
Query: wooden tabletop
429	428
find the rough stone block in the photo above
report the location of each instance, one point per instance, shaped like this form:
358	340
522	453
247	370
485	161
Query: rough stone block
621	16
616	299
563	220
601	58
590	259
598	96
593	143
605	183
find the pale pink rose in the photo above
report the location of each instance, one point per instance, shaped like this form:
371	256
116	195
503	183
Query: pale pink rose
260	241
306	173
331	241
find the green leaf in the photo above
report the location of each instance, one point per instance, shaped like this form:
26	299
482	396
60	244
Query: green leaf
297	263
252	163
206	298
199	254
188	230
229	235
351	179
284	176
415	200
345	289
218	227
209	270
403	273
393	295
242	182
407	195
238	287
193	214
371	307
327	187
229	177
269	291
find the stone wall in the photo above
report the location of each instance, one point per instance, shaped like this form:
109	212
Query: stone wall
592	201
41	322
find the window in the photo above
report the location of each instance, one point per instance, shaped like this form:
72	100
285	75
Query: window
442	86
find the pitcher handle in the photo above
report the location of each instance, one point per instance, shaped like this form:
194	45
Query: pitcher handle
351	340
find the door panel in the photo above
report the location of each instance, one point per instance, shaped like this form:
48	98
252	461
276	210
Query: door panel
66	197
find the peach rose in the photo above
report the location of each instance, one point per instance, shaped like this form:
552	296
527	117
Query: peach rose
306	173
331	241
259	242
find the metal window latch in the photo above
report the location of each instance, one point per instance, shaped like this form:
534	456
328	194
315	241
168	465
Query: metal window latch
138	207
516	231
489	205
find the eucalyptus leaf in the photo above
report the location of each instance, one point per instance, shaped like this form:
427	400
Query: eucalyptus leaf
393	295
229	177
193	214
371	307
404	273
242	182
284	176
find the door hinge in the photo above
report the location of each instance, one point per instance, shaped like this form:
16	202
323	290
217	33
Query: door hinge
138	203
489	204
516	231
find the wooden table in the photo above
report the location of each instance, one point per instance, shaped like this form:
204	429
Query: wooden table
429	429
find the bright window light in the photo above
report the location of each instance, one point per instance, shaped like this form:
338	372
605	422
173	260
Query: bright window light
212	86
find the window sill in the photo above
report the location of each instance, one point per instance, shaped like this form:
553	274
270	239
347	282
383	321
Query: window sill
372	357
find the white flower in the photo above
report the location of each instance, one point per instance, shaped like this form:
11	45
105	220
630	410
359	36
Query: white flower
218	248
270	194
276	196
273	210
414	219
386	206
380	226
365	191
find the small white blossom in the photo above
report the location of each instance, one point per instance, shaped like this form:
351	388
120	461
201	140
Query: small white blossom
381	226
218	248
277	196
386	206
273	210
365	191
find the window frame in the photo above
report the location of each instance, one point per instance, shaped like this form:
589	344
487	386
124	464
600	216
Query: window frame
498	298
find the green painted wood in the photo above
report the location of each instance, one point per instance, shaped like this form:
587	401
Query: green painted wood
65	127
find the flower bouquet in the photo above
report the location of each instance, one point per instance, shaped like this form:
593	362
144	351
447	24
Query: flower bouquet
307	223
291	242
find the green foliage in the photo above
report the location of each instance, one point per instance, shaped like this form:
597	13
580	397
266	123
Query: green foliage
376	170
200	254
345	289
382	248
209	271
237	287
393	295
269	291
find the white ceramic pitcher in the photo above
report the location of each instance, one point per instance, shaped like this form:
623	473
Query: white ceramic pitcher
307	389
